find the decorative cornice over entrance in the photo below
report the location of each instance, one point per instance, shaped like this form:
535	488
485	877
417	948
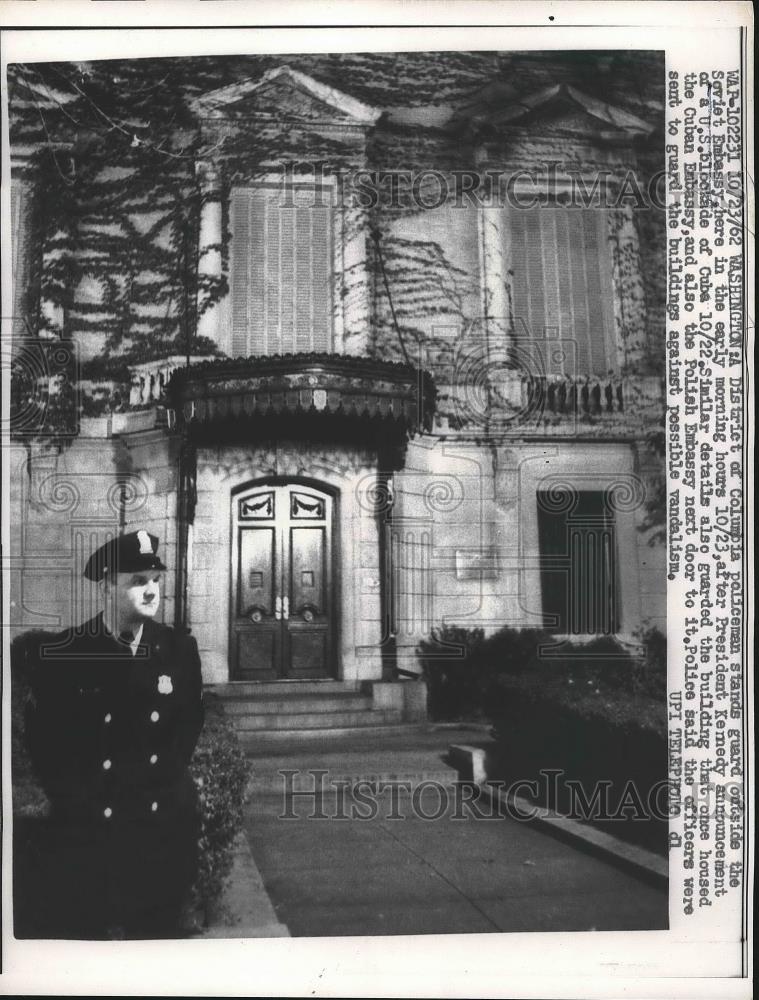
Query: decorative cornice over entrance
304	396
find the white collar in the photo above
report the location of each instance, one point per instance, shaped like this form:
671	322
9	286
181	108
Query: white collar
136	640
137	636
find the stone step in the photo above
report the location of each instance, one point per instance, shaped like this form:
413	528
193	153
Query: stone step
420	737
403	768
275	689
297	704
314	720
263	742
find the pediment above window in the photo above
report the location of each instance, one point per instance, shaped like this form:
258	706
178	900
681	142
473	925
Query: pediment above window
285	93
560	108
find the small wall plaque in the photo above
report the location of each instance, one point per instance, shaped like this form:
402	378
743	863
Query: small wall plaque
476	564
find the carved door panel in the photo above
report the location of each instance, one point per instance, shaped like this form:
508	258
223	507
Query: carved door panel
283	599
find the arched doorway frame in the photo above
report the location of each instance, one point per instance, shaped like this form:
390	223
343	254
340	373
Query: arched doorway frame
334	556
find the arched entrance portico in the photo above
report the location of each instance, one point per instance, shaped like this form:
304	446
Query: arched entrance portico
326	426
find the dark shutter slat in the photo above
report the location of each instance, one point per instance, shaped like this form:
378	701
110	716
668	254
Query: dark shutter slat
596	332
566	319
303	279
579	290
272	246
534	258
287	278
322	279
239	258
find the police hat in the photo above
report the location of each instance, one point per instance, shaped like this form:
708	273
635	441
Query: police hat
130	553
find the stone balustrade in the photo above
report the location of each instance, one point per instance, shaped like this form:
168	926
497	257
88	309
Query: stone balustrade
151	378
528	404
561	395
614	399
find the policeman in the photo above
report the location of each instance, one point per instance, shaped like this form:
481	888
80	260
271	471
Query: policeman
111	724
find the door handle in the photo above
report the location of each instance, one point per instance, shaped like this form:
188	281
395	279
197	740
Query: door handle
278	607
286	607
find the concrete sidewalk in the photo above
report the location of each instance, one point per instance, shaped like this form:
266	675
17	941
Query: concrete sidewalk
245	909
399	873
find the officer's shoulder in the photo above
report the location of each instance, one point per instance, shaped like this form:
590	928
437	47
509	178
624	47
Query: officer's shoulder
34	649
57	645
55	655
174	637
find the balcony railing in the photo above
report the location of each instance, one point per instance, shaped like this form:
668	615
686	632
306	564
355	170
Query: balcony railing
507	402
559	395
149	380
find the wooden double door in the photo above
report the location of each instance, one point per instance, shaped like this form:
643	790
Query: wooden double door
283	614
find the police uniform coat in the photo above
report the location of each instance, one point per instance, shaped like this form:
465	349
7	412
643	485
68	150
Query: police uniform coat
111	734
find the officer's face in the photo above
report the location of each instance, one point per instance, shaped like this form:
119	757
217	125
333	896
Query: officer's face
137	595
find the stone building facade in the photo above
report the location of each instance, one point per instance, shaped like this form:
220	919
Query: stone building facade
419	384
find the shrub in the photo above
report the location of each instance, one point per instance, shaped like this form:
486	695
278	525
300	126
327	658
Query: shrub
451	665
650	675
594	711
29	799
473	677
221	772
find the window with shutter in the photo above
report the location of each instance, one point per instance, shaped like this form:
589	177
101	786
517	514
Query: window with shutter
280	270
561	267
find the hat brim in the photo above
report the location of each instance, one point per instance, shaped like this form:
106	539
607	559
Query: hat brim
96	569
142	563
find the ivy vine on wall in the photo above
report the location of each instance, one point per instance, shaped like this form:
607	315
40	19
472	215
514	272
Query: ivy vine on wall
114	222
